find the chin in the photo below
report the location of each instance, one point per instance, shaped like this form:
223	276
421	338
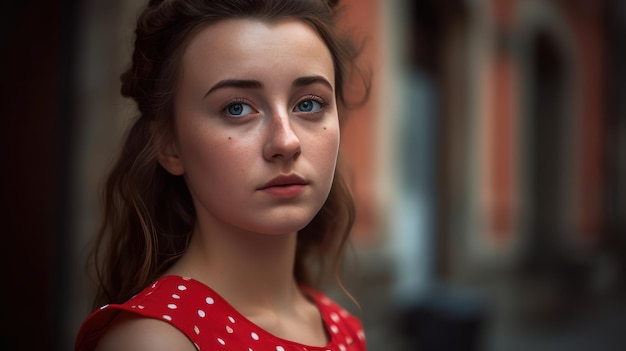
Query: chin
282	229
274	220
283	225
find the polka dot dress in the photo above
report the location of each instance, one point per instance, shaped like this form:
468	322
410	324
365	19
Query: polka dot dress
211	323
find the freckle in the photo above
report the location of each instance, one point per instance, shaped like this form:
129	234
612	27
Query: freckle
324	128
229	138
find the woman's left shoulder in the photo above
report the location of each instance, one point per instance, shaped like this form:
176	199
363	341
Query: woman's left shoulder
339	320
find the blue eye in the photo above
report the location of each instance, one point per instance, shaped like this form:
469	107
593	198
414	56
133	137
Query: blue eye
238	109
309	106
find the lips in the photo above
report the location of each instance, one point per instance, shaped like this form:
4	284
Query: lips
284	181
285	186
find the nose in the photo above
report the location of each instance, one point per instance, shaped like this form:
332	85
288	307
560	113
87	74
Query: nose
282	142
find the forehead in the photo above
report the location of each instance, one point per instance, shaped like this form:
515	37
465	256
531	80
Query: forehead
245	47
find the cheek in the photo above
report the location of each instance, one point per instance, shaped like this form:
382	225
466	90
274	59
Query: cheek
332	133
326	147
209	160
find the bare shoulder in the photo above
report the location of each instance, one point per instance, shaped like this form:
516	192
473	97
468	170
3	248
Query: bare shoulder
130	332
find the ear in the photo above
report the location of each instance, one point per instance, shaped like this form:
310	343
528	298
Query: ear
170	160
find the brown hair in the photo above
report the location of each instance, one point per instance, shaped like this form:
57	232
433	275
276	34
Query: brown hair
148	213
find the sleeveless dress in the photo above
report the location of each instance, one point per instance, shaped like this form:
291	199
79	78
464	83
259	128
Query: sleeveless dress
211	323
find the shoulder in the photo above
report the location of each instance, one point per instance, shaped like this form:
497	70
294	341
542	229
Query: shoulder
131	332
151	320
345	326
328	305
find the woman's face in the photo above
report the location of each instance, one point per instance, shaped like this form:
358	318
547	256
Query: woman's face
257	130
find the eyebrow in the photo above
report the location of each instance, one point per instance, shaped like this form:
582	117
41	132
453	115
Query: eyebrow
304	81
235	83
255	84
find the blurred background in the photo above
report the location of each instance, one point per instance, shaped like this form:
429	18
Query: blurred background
489	168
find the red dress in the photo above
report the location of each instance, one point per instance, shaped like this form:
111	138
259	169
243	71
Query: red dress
211	323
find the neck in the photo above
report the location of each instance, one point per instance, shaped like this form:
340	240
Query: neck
251	271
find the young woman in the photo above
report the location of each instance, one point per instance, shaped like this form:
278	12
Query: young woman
227	196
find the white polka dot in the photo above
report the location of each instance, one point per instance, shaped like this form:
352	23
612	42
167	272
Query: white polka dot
349	340
196	329
361	335
229	330
182	288
141	307
210	301
176	296
201	313
133	306
221	341
280	348
172	306
166	317
250	349
154	285
231	319
254	336
334	329
342	347
334	317
197	347
186	278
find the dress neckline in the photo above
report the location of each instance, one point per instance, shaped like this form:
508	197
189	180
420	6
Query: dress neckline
318	300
